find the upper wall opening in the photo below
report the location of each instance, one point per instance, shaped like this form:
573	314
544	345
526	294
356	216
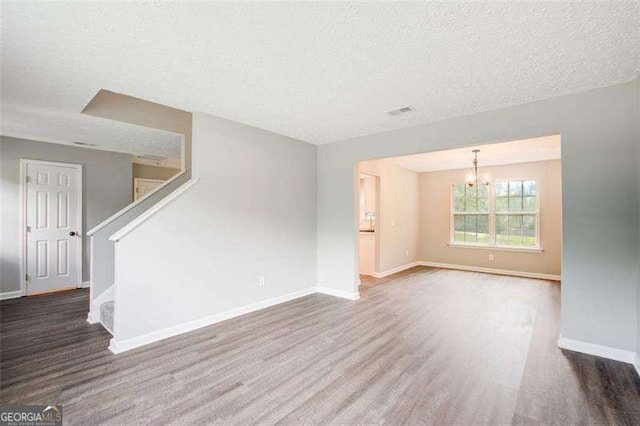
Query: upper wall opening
129	109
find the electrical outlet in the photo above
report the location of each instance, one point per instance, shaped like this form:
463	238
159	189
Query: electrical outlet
406	253
262	281
491	257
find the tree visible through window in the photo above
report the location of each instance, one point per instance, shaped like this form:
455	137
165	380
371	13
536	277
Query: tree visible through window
505	214
471	214
516	211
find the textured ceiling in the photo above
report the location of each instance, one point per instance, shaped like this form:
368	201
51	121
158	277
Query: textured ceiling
316	72
48	125
522	151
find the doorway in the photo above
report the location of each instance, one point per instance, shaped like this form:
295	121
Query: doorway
368	217
52	226
492	208
142	187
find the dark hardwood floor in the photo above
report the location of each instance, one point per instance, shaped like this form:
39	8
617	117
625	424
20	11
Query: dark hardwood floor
426	346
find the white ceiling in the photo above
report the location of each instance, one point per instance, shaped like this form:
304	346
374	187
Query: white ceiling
57	126
317	72
521	151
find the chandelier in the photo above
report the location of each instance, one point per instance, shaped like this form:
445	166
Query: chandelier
473	179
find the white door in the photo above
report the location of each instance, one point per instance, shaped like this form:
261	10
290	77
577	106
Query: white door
145	186
53	240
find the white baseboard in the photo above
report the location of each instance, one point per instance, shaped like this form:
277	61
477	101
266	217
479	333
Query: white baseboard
15	294
121	346
597	350
636	363
10	295
85	284
492	271
395	270
93	318
339	293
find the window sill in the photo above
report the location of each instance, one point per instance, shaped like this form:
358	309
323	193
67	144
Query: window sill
494	247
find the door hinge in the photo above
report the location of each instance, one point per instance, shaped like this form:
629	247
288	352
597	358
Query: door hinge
137	190
28	179
28	228
27	277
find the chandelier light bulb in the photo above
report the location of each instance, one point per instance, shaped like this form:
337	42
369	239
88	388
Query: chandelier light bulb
470	179
486	179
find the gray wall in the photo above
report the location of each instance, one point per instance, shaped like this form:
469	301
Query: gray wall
251	214
599	190
106	188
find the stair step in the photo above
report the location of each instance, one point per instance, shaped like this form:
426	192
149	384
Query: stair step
106	315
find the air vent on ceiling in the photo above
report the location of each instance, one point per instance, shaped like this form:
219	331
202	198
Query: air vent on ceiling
400	111
85	144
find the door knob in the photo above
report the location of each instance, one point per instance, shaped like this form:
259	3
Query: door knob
72	233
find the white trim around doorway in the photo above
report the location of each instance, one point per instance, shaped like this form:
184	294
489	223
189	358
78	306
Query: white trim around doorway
136	181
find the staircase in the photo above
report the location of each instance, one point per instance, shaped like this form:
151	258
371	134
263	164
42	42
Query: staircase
103	237
106	315
103	250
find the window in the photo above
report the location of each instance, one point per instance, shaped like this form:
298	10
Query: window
504	214
516	213
471	214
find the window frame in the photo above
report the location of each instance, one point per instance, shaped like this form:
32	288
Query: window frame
467	213
493	214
